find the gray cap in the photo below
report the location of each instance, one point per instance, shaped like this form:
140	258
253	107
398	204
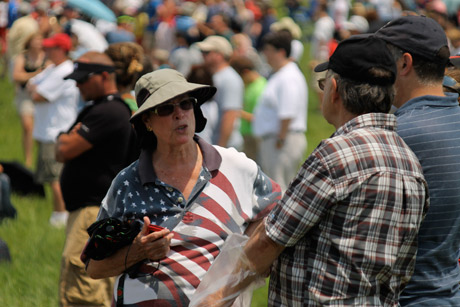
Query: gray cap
217	44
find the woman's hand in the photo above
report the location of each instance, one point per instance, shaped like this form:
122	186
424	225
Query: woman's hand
153	246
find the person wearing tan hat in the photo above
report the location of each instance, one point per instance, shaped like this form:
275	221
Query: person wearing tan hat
216	52
55	102
198	192
288	24
99	143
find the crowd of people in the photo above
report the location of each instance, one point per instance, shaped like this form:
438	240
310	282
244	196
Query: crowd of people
192	116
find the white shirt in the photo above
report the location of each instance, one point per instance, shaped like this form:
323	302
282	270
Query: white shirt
323	33
211	113
284	97
60	111
229	96
296	50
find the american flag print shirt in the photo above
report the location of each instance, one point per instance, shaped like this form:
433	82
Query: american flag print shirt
350	220
231	192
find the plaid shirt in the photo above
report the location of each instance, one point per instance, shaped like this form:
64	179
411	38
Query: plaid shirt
350	220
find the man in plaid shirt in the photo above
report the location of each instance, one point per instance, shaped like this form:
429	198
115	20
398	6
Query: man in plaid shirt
345	232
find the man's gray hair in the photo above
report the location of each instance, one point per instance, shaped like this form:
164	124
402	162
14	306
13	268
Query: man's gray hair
361	98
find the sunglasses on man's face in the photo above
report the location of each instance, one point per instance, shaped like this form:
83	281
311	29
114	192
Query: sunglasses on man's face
321	83
88	76
168	109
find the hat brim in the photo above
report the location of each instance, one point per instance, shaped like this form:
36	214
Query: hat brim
322	67
48	43
205	46
286	23
173	89
77	75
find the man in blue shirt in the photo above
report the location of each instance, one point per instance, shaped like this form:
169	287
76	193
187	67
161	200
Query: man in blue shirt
429	122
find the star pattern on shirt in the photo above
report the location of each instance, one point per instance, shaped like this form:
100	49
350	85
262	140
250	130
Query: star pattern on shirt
163	203
166	206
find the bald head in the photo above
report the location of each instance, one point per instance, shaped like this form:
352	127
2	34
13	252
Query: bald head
100	84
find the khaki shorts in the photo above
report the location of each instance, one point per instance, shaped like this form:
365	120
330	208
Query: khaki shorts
48	169
24	105
76	288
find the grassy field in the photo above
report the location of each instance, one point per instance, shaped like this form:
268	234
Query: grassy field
31	279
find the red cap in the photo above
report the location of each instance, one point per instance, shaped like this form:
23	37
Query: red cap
60	40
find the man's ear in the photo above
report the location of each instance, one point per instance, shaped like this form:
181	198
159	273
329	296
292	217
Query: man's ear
334	90
105	75
405	64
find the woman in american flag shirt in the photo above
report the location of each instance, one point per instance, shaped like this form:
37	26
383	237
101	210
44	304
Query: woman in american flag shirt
198	192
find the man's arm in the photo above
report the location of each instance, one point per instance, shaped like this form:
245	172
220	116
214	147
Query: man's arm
284	129
226	128
261	251
259	254
71	145
34	95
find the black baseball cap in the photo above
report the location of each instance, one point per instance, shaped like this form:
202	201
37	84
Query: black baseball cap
355	56
419	35
82	70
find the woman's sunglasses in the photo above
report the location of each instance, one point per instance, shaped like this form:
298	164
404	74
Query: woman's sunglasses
168	109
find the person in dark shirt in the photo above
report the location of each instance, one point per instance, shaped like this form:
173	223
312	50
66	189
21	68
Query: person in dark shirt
99	144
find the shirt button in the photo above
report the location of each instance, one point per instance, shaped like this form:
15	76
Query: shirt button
169	189
180	199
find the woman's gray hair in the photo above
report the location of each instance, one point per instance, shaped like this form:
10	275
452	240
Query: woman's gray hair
361	98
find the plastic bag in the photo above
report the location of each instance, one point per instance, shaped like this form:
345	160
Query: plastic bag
222	273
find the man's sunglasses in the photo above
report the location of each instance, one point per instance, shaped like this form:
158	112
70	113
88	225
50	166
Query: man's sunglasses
88	76
168	109
321	83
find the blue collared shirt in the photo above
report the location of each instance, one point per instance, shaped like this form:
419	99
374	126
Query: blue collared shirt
430	125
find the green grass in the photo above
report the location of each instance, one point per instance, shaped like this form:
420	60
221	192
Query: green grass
31	279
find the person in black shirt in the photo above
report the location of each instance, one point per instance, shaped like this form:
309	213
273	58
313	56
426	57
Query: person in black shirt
99	144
